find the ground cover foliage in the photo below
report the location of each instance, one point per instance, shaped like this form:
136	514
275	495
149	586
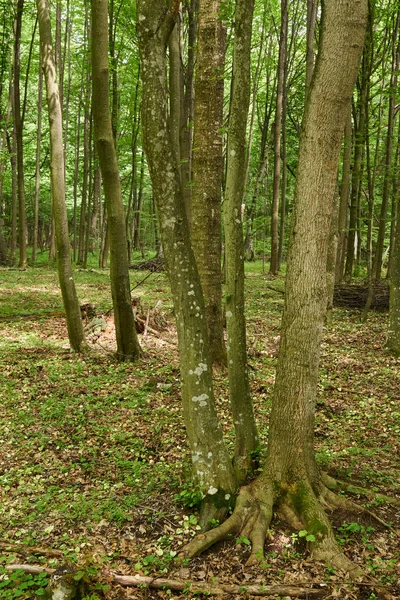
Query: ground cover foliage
94	467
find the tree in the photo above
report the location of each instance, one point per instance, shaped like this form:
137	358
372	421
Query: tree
211	462
205	208
274	267
18	126
70	298
127	343
291	481
239	390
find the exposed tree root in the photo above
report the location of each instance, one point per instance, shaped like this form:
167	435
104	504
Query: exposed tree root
302	507
342	486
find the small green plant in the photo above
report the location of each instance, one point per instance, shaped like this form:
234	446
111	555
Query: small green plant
18	584
243	540
189	496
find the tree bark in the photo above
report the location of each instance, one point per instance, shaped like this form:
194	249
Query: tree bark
388	175
290	481
208	168
18	125
211	462
70	298
274	266
239	389
127	343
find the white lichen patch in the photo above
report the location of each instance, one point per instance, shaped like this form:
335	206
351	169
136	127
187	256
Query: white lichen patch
201	368
202	399
212	490
229	314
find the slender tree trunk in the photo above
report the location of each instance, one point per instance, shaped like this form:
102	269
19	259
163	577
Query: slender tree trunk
70	298
211	463
240	395
208	168
127	343
388	175
18	125
274	266
359	145
312	6
37	171
393	337
344	199
86	125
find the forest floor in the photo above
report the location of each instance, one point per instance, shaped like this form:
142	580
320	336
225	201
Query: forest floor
94	465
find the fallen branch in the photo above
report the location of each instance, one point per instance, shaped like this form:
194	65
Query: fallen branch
212	589
7	546
216	589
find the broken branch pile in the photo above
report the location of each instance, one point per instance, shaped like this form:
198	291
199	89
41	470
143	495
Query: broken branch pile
354	297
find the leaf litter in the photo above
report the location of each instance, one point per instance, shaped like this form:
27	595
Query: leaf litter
94	461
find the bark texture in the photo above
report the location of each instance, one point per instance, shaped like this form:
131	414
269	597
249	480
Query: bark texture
290	481
208	168
70	298
211	462
241	403
127	342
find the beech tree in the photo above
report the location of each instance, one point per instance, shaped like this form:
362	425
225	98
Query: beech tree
127	343
291	481
205	208
70	298
212	467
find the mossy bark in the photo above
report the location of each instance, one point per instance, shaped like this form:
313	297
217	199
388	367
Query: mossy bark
207	165
127	342
239	389
290	482
65	274
211	462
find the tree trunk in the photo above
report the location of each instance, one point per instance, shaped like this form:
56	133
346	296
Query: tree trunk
312	6
211	462
388	175
127	343
208	168
274	266
290	481
239	389
359	145
344	199
18	125
37	171
71	303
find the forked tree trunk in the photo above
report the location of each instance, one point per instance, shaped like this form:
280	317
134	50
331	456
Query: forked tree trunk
211	462
239	389
208	168
290	480
127	342
70	298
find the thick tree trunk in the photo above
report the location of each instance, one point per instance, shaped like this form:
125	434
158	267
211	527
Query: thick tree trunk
208	168
211	462
71	303
290	479
127	343
239	389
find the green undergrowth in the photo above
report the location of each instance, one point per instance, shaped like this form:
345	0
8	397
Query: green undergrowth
94	452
